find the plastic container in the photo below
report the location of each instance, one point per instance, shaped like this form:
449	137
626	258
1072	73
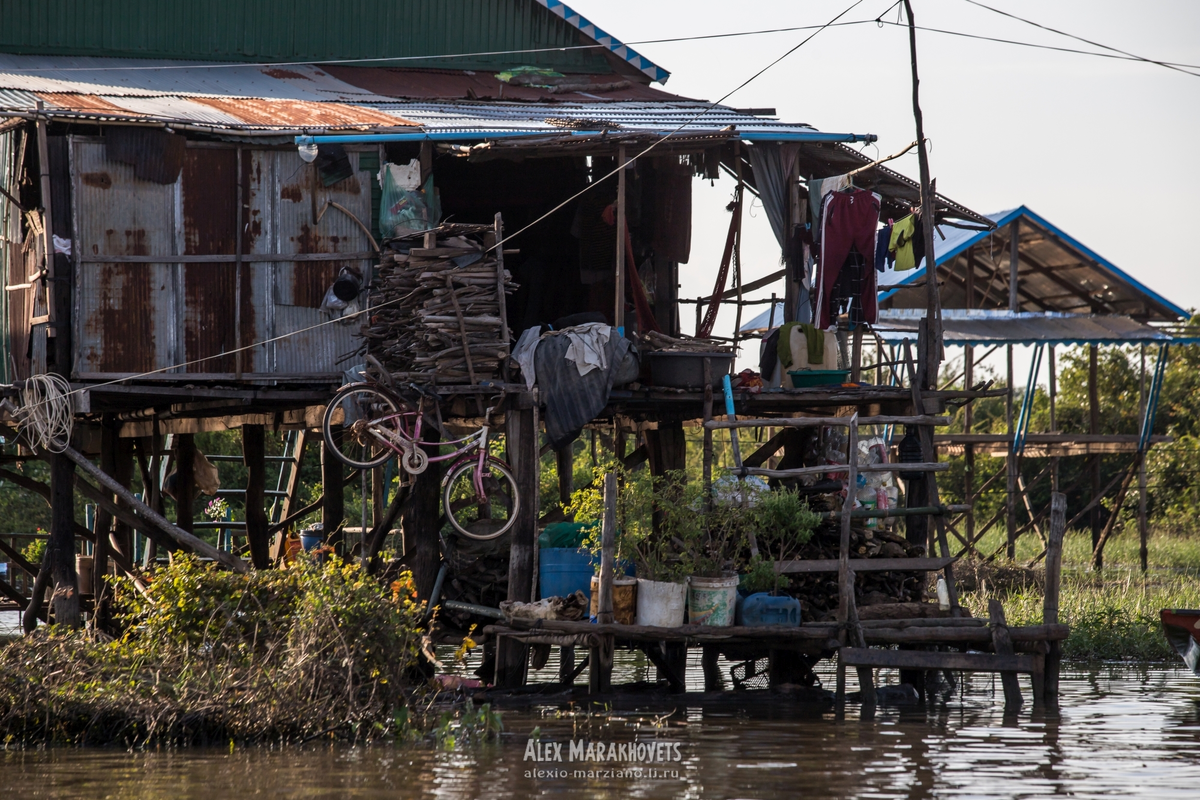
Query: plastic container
713	601
660	604
763	608
562	571
311	540
83	569
685	370
624	598
804	378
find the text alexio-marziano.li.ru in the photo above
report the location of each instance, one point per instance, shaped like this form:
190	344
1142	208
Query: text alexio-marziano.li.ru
652	752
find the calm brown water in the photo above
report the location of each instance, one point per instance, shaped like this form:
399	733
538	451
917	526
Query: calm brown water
1121	732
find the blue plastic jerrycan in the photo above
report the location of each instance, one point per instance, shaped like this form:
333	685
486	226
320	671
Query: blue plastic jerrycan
766	609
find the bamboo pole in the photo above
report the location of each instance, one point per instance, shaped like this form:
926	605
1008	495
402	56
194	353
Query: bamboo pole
1058	527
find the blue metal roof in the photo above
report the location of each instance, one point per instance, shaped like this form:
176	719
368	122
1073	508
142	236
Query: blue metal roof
592	31
957	241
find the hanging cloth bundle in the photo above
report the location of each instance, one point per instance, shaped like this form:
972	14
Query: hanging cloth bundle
710	315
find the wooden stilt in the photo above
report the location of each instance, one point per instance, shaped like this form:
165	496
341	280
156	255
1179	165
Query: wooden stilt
1094	428
1002	643
709	661
667	451
1053	416
185	480
708	439
1011	467
101	530
60	550
1143	526
969	419
521	436
333	506
1054	543
254	455
564	460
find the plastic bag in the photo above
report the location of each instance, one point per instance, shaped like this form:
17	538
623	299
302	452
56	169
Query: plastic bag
403	211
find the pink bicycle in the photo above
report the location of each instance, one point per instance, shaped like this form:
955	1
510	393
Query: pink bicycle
366	424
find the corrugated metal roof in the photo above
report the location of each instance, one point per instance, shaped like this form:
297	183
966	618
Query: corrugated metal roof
590	30
1056	273
984	327
304	98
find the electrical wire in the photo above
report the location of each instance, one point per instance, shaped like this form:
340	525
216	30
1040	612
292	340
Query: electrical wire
1036	46
45	416
682	125
1167	64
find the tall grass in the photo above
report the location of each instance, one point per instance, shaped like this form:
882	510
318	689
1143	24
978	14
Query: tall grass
1113	615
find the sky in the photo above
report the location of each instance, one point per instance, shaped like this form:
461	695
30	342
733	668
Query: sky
1100	147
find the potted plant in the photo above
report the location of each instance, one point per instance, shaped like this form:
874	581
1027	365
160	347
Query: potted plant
783	523
709	536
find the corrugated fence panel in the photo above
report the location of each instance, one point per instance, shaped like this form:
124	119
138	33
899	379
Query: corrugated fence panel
306	224
297	30
125	313
209	227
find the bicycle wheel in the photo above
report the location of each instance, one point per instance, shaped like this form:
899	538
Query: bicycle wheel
359	410
475	516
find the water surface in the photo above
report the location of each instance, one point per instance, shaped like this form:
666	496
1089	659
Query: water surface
1120	732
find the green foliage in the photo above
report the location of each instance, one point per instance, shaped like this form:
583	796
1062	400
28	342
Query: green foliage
34	551
211	655
760	576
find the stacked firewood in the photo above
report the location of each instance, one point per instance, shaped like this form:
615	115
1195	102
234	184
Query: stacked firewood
440	309
818	592
653	340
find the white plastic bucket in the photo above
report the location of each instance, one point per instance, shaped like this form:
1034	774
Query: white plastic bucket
712	601
660	604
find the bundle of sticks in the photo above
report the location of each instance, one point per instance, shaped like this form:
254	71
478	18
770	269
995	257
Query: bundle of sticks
442	311
818	592
653	340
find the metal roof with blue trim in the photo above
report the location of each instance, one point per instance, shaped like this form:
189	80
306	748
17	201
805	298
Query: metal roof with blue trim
1056	274
594	32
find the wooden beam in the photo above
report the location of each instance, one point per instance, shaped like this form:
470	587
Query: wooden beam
60	549
923	659
864	565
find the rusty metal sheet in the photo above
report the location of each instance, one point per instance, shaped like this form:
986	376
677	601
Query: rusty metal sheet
85	104
209	195
302	113
125	318
306	223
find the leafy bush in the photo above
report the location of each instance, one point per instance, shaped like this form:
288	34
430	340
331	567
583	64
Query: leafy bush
210	655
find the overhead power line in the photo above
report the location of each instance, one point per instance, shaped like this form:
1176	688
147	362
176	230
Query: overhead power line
1167	64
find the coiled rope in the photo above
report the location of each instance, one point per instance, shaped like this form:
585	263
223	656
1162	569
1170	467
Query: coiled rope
45	416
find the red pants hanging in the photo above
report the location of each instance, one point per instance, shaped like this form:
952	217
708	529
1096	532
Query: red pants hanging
849	219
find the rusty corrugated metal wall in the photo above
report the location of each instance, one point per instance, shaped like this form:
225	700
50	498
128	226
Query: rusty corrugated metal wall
144	315
16	306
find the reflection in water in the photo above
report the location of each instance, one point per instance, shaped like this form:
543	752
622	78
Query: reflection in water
1121	732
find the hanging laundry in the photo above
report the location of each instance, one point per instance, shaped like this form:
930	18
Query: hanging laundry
883	255
907	243
818	188
848	227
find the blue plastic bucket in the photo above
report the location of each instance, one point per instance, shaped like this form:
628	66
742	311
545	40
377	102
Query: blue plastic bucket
564	570
311	541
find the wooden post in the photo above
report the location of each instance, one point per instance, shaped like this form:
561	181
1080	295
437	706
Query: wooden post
1014	263
1010	466
254	456
737	242
1054	542
101	530
708	442
1094	428
60	549
608	544
845	575
1143	528
333	503
931	354
1053	417
564	460
619	274
968	424
667	451
378	499
185	480
1003	645
856	355
521	437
